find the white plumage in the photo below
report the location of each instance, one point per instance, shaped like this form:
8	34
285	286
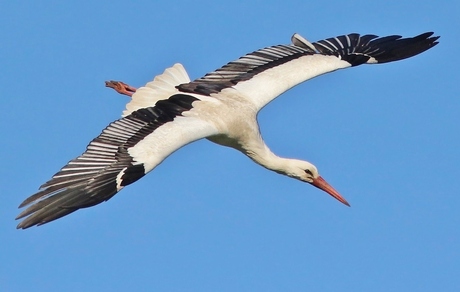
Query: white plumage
172	111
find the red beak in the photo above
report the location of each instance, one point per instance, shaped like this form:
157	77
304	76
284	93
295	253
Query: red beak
320	183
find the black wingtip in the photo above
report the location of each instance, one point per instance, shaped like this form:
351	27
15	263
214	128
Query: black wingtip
389	50
360	49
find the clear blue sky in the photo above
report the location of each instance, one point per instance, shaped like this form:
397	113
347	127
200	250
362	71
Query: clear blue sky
208	218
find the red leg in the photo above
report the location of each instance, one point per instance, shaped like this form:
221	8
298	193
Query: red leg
121	87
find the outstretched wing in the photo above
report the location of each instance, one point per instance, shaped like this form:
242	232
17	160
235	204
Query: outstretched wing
123	153
264	74
161	87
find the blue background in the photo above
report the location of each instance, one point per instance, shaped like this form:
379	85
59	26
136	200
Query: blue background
208	218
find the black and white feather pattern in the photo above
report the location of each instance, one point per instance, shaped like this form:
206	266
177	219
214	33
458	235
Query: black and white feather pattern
358	50
244	69
104	168
353	48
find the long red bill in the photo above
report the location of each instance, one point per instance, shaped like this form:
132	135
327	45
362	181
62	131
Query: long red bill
320	183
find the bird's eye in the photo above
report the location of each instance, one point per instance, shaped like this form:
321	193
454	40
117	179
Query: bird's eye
307	171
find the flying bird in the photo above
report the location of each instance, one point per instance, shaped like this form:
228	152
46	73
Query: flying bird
172	111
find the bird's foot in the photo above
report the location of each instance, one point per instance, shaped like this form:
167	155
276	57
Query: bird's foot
121	87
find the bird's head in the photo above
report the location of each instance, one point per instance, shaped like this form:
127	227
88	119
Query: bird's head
307	172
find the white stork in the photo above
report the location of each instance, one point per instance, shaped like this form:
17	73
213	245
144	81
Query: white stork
172	111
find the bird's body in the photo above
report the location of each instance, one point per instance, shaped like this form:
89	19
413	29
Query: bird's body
222	106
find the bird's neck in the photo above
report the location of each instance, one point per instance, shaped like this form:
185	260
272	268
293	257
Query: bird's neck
263	156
